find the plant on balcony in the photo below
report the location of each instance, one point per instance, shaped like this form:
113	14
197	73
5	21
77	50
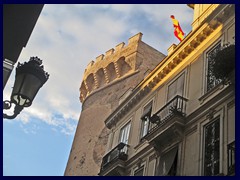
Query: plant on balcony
223	65
155	119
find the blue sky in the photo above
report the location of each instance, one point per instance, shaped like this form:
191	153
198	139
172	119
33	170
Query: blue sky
67	38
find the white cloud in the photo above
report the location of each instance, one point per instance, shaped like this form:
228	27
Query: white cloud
67	37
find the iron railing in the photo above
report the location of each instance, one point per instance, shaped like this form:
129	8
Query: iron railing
175	107
119	152
231	158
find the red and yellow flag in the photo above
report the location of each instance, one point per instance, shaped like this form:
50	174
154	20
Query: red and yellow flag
177	29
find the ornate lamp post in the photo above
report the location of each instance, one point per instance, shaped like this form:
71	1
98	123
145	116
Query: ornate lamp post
29	78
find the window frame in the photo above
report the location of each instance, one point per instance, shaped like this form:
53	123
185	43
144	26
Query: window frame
120	132
142	120
216	120
184	73
176	158
217	115
205	69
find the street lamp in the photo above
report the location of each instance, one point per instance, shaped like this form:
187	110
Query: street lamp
29	78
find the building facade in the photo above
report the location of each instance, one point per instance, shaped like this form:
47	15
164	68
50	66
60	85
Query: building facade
106	83
180	120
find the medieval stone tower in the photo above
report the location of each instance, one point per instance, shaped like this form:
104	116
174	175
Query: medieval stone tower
106	82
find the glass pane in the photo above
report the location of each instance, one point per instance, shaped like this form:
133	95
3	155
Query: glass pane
180	85
176	88
145	124
172	90
211	80
124	133
147	110
211	152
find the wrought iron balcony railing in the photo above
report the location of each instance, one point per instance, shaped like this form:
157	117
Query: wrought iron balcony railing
119	152
175	107
231	158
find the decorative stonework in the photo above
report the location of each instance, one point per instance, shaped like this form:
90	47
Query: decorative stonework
114	64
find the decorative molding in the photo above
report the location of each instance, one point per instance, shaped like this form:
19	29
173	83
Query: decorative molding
231	104
191	130
210	113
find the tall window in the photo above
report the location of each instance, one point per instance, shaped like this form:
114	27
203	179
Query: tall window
211	80
211	148
124	135
167	164
147	110
176	88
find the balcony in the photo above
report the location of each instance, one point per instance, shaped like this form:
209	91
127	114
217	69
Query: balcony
167	123
113	163
231	158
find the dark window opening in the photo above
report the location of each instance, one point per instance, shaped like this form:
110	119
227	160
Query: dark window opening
211	149
211	79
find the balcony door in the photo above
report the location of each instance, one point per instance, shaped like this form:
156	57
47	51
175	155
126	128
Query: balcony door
147	110
176	87
167	163
124	135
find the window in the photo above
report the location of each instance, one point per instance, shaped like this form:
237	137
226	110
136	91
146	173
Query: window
211	148
139	171
147	110
211	80
124	134
176	88
167	165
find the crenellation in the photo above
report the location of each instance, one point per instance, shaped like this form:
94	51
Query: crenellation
113	54
135	38
99	58
90	64
115	64
109	52
119	47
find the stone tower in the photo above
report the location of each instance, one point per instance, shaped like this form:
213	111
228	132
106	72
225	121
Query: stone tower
106	82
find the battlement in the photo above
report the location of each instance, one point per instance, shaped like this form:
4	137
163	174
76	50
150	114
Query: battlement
114	64
119	49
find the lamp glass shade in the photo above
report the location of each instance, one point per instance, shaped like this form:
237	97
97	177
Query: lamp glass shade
29	78
25	89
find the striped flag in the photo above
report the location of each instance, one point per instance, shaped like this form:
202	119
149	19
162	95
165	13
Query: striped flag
177	29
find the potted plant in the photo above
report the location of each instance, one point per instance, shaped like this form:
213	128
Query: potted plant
155	119
223	67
